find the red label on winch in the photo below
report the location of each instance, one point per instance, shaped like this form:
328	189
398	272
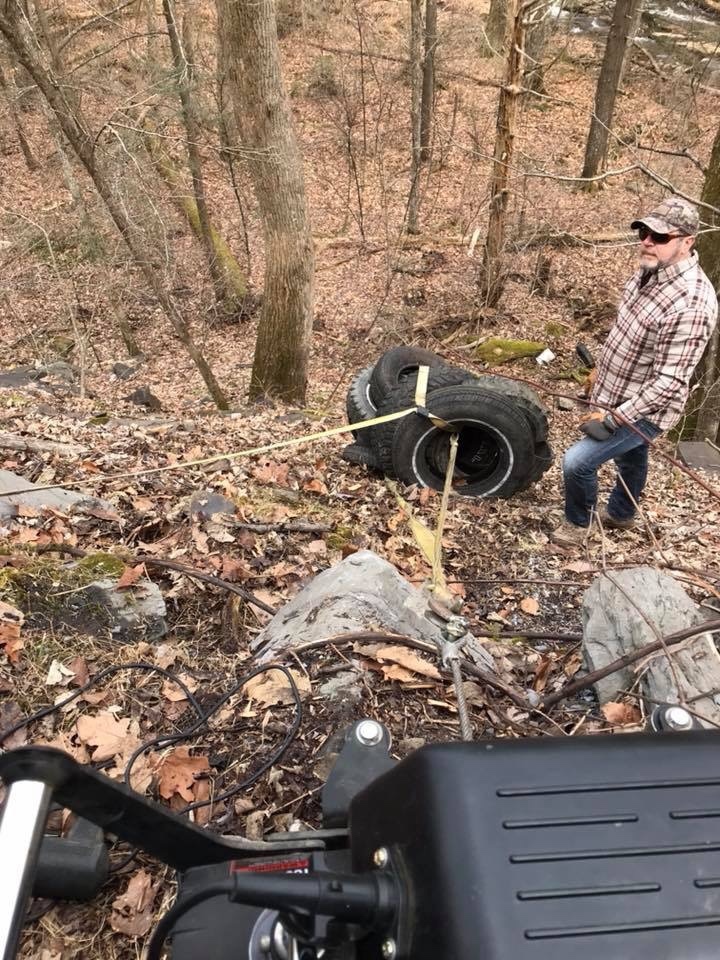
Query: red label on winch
299	865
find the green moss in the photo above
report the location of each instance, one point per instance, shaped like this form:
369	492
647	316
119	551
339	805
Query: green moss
499	350
9	588
340	537
96	566
553	329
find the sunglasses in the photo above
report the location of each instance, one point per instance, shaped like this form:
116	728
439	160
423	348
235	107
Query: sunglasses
659	239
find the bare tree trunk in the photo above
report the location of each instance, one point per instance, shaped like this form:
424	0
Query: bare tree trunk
77	131
192	130
428	79
632	34
493	274
7	89
265	122
539	28
707	378
495	28
607	88
416	86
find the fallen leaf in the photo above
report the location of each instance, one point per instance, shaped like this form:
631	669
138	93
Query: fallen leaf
315	486
271	472
58	674
234	570
579	566
318	548
177	772
621	714
104	732
530	605
396	672
129	576
409	660
132	911
11	621
174	693
273	687
80	671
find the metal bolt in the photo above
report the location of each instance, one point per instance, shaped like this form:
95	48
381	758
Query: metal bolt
265	943
381	857
678	718
389	949
369	733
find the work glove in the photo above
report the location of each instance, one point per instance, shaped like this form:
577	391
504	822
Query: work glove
598	425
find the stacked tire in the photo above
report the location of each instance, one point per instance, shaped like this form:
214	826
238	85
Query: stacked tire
503	428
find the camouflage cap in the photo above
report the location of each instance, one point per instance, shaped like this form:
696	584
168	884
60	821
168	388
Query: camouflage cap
673	214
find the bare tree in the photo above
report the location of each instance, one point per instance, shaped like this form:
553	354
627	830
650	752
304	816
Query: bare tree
607	87
65	105
7	88
428	78
272	155
492	278
495	27
416	87
708	246
183	79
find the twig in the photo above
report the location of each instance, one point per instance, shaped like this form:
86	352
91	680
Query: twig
290	526
709	626
246	595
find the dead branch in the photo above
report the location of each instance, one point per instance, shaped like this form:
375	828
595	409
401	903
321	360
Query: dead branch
589	679
193	572
196	574
10	441
291	526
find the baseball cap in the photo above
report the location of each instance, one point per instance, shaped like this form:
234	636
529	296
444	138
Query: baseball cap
674	213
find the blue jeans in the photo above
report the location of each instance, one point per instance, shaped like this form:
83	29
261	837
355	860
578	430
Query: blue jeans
580	467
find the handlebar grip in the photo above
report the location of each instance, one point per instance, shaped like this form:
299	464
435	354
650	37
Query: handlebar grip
21	830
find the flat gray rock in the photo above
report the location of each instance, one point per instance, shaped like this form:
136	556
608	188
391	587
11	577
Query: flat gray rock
135	613
58	499
362	592
618	618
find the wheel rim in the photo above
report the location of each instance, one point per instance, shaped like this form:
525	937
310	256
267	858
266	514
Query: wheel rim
483	451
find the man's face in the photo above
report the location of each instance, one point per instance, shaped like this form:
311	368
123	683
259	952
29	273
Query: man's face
661	250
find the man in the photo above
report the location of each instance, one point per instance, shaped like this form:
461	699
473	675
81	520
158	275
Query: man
666	317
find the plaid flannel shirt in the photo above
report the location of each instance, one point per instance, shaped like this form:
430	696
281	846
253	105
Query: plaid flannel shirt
658	339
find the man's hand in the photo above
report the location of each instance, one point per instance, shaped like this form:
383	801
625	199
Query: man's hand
598	425
593	415
589	382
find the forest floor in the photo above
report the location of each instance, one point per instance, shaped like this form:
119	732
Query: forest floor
373	291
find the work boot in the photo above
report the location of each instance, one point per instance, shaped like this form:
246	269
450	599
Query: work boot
615	524
569	535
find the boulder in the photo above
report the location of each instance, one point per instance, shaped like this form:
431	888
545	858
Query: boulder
619	617
362	592
57	499
135	613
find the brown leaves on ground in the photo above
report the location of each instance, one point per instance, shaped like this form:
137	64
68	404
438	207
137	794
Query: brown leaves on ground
273	688
132	911
11	621
404	664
